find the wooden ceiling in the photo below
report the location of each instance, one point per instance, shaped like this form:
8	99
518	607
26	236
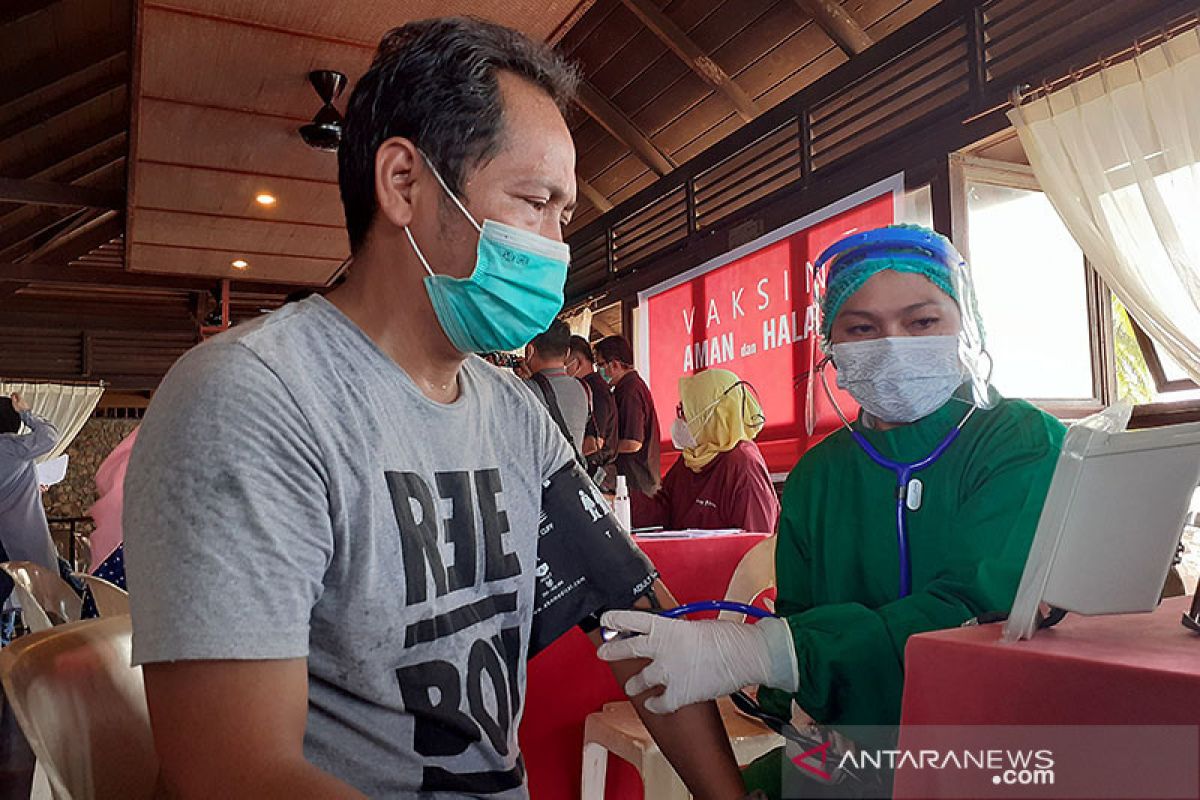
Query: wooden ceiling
210	134
129	166
667	78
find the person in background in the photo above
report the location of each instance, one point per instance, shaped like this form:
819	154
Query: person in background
899	321
107	539
637	449
24	534
720	480
565	397
600	435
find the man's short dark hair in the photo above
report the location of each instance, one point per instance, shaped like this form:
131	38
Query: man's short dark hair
555	342
10	420
615	348
581	349
434	82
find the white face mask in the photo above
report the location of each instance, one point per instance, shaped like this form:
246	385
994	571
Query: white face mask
899	378
681	430
681	435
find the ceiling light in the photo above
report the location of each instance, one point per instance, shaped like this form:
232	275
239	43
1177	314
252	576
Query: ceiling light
264	199
240	264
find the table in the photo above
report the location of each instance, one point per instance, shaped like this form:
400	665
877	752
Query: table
1131	669
566	682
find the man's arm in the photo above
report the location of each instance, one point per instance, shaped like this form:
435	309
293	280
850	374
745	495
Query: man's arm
234	729
628	446
591	444
692	738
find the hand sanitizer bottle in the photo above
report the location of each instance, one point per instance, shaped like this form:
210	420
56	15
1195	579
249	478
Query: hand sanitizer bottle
621	504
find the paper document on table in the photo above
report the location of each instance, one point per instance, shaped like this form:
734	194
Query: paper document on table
689	533
53	471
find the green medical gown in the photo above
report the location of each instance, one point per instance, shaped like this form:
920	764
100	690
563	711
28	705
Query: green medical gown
837	564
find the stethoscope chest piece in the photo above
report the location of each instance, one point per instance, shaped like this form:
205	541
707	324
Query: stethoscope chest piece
913	494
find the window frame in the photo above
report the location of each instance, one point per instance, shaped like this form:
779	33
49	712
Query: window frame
965	169
1154	363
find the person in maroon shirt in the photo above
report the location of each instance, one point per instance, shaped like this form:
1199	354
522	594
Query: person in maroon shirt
637	423
721	480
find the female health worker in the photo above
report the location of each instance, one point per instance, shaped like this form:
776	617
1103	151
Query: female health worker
720	480
862	564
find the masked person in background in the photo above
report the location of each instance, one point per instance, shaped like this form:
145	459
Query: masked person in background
900	324
332	512
637	446
720	480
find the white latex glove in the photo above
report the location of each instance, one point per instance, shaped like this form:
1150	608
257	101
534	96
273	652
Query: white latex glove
702	659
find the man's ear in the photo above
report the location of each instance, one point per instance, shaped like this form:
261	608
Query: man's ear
395	166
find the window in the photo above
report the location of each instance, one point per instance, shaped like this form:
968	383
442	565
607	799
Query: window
1159	378
1057	334
1032	285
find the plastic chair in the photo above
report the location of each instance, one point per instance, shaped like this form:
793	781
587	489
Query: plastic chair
83	709
617	729
754	574
44	597
111	600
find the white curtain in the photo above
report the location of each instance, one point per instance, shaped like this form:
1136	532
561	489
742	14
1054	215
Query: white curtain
68	406
1117	154
580	322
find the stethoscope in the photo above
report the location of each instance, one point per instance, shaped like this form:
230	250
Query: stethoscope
909	489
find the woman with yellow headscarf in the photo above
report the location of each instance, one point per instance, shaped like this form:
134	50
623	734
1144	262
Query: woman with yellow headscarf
721	481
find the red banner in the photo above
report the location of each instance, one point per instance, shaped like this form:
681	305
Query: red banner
751	312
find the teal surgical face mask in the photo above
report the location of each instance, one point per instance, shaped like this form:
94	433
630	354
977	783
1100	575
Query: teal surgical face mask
511	296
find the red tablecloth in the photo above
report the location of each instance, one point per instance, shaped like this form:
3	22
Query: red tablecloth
1133	669
566	682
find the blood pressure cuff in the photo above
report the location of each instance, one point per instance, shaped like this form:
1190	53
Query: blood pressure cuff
587	562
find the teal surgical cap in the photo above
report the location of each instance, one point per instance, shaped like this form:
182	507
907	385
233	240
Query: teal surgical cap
902	248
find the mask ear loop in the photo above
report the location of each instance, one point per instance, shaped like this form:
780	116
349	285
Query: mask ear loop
755	420
450	194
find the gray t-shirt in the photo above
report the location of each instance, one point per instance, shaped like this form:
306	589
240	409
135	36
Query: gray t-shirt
293	494
572	401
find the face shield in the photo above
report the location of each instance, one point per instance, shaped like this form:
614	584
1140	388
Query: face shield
849	263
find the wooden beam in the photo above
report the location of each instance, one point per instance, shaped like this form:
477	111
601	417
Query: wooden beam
60	274
92	229
39	77
838	24
43	227
41	114
593	195
41	193
16	224
613	120
9	288
690	53
15	10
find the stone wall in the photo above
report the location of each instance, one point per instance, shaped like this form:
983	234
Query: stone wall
75	495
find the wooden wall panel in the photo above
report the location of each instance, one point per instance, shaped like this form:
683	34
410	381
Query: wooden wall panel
363	21
261	71
232	194
236	236
172	133
263	267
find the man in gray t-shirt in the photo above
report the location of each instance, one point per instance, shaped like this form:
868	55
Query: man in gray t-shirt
545	356
332	513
